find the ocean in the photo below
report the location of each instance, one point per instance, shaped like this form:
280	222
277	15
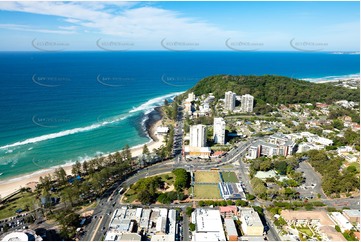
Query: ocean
61	107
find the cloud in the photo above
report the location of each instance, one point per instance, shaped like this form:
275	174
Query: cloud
147	24
129	19
29	28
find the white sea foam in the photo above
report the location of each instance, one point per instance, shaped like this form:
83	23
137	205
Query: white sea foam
331	78
146	107
51	136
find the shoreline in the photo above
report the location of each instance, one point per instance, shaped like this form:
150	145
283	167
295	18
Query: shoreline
154	119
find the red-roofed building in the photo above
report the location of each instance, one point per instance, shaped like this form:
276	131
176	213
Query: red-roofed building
228	211
218	153
321	105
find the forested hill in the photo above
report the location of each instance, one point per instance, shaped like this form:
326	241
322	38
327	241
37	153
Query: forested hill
274	89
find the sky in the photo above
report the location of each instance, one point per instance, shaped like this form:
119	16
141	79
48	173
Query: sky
180	26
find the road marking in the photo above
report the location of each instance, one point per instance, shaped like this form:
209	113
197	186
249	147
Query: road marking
96	229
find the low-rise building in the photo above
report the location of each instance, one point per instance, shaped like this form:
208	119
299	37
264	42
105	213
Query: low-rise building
209	225
21	235
231	230
264	175
341	221
228	211
319	219
277	145
231	190
162	130
129	237
125	224
201	152
172	223
144	220
353	215
162	238
251	222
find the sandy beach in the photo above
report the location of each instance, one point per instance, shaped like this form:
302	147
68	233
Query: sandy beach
30	180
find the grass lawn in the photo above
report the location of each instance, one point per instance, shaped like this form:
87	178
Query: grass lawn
19	201
306	231
130	196
229	177
206	176
356	165
206	192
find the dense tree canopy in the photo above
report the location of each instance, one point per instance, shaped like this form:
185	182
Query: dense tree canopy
182	180
274	90
333	181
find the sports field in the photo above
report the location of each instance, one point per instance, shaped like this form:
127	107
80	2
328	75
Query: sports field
229	176
202	191
207	177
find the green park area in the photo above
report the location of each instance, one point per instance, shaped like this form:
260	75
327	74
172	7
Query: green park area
22	201
229	177
206	177
206	191
163	188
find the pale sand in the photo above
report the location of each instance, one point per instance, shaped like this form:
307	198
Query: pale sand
14	184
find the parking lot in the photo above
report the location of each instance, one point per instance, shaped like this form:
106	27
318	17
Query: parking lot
312	186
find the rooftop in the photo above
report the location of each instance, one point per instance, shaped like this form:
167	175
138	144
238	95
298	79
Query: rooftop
322	216
230	227
352	212
250	217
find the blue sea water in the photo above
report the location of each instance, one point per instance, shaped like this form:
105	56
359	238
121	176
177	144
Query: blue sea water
57	108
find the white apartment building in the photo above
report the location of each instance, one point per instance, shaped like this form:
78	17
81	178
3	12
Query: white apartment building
250	222
198	135
247	103
191	97
219	131
229	100
209	225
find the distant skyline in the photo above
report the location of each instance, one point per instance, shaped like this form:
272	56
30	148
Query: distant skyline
179	26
